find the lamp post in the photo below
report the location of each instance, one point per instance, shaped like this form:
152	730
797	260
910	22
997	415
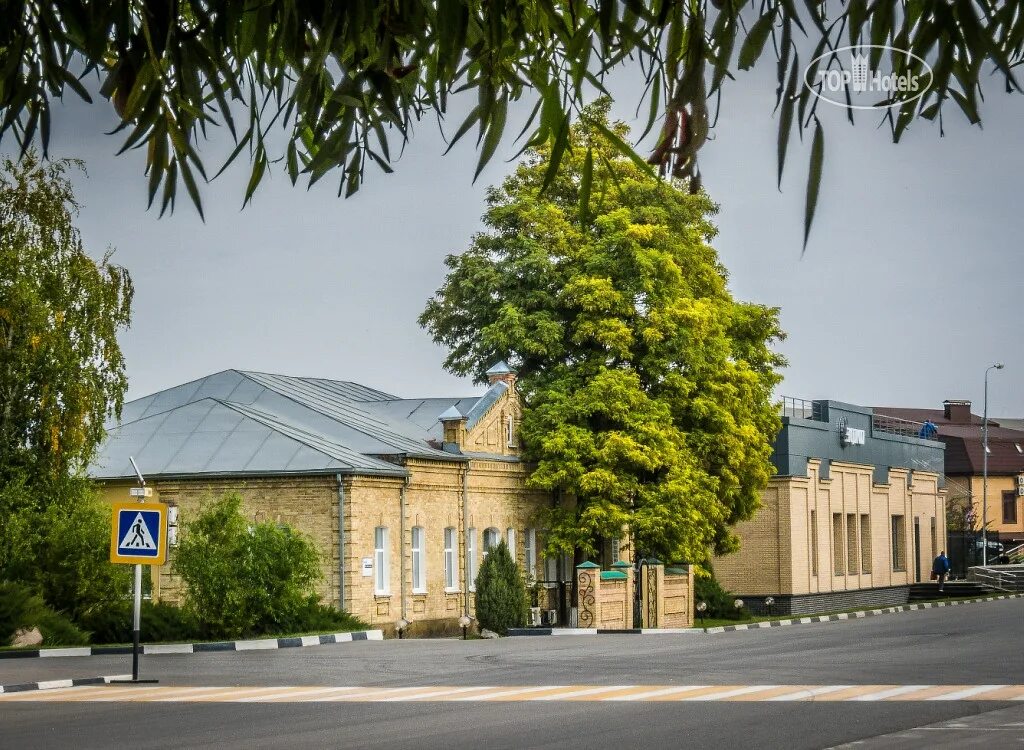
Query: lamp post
702	607
984	469
464	622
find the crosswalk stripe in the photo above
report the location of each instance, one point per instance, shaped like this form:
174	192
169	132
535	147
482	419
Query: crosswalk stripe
890	692
966	693
510	693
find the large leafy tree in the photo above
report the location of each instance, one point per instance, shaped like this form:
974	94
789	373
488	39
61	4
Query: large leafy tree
61	369
647	387
346	80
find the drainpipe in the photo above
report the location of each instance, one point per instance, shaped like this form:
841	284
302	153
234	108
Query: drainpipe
401	545
341	543
465	539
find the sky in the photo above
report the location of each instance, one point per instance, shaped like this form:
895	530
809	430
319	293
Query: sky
909	288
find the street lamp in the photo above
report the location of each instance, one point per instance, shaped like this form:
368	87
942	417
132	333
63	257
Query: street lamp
464	622
702	607
400	626
984	470
769	602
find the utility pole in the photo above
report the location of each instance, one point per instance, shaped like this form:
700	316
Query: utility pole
984	470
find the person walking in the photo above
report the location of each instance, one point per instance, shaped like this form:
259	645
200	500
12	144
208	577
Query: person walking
940	569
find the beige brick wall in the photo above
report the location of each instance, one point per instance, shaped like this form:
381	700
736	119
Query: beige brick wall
776	552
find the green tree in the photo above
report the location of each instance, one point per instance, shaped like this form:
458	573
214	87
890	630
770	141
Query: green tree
244	578
501	599
61	369
647	387
346	81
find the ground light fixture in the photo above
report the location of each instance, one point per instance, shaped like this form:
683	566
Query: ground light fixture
702	607
400	626
464	622
738	604
769	602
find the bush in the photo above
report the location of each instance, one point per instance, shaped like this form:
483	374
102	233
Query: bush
21	608
244	579
721	604
501	599
161	622
55	538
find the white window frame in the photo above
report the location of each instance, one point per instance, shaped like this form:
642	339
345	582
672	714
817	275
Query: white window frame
510	431
471	559
451	572
419	561
381	563
510	540
530	544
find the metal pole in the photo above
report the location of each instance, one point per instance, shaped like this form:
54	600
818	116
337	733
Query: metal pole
984	470
984	477
137	623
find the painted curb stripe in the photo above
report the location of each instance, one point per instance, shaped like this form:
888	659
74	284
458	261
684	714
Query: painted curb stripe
192	648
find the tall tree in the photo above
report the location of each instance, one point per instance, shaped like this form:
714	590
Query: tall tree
346	80
61	369
647	387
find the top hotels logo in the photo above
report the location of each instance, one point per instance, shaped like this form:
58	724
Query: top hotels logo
844	77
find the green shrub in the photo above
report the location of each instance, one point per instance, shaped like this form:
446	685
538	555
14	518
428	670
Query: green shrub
55	538
501	598
20	608
161	622
721	604
244	579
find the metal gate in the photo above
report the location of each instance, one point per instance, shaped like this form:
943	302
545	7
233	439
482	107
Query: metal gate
645	594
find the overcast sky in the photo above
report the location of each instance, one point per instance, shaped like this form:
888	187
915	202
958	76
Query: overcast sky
910	287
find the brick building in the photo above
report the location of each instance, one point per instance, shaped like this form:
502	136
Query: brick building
402	496
960	431
854	516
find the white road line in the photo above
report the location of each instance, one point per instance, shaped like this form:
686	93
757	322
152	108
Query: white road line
810	693
581	693
966	693
514	691
655	693
889	692
373	694
430	694
292	694
730	693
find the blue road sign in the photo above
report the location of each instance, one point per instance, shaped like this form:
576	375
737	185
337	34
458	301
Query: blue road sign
139	533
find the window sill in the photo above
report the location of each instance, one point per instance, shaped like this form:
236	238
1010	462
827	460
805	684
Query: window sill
453	591
419	592
381	595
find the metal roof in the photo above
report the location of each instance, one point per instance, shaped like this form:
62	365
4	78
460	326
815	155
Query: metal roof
240	422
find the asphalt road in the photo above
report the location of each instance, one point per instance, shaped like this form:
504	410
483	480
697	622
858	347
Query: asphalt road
969	645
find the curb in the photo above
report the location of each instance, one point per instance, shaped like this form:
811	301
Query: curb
261	644
54	684
757	625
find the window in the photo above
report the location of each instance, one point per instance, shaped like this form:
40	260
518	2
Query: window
1010	507
510	431
852	549
381	572
838	556
616	552
899	543
530	544
865	543
551	569
814	542
491	539
419	573
450	546
510	540
471	559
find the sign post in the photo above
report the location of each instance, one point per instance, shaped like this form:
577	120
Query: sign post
138	535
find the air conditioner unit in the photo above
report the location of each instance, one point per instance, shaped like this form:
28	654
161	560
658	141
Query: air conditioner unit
535	616
1020	480
552	616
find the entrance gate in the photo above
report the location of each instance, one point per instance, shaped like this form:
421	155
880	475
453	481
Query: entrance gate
645	593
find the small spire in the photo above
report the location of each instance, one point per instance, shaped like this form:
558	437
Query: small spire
451	413
501	372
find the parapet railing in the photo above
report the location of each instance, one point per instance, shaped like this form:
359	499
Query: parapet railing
999	577
798	408
897	426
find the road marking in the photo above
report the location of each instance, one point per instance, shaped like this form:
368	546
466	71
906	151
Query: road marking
515	694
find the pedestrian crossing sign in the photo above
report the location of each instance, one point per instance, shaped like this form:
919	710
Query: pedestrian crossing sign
138	533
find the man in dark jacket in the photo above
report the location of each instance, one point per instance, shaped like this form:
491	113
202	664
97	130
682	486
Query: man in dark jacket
940	569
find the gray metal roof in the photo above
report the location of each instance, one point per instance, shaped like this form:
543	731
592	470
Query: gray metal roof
240	422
